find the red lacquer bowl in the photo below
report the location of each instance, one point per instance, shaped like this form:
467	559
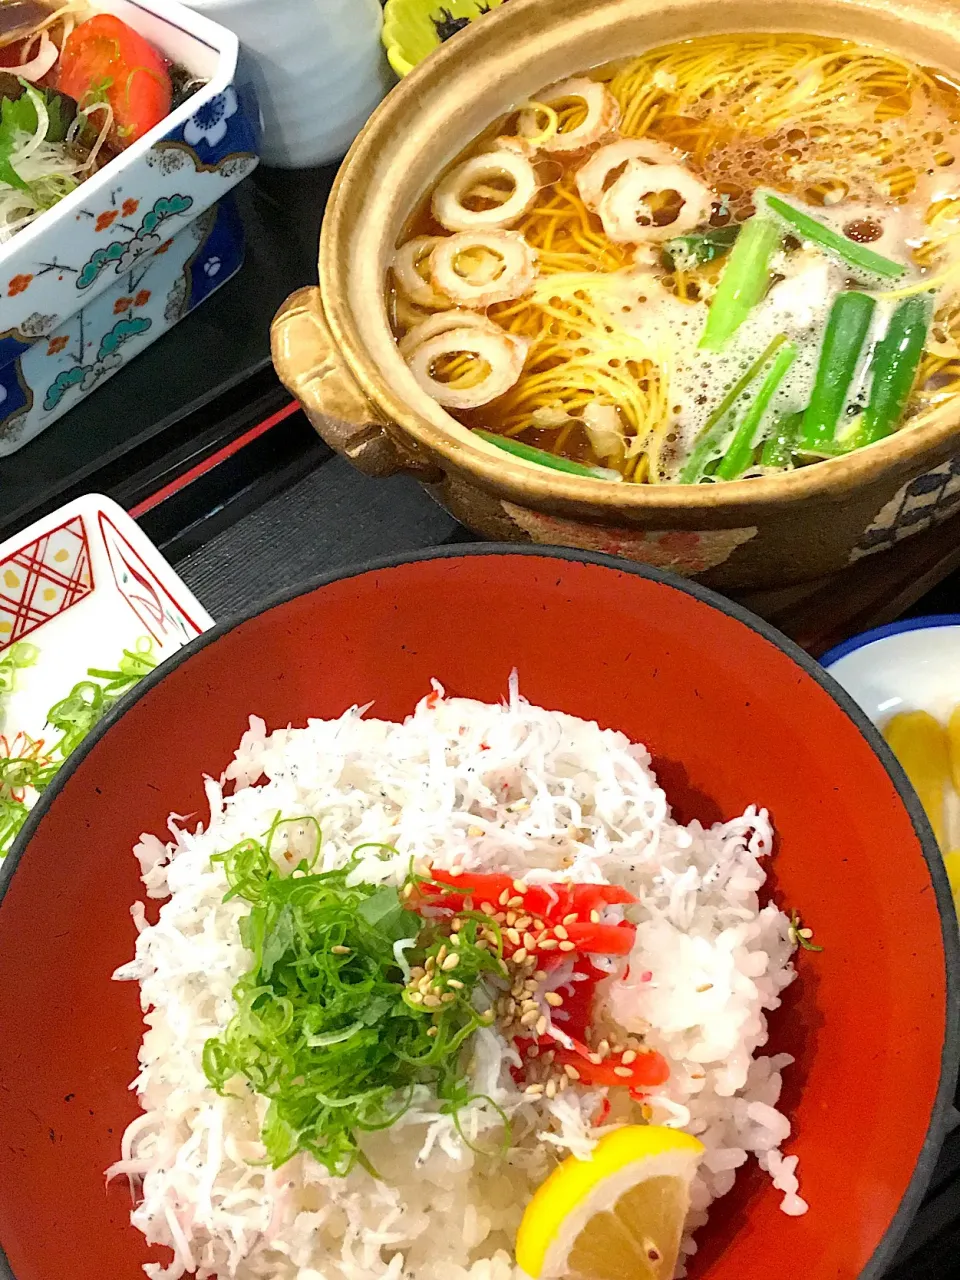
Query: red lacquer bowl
732	712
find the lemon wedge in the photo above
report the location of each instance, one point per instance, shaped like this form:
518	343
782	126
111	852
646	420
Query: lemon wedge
618	1215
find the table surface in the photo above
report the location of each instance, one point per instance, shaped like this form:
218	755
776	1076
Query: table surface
198	439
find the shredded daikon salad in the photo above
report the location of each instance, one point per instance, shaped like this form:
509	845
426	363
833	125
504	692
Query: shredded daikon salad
404	969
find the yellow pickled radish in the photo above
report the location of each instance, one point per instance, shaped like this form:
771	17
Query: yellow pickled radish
951	861
953	733
921	745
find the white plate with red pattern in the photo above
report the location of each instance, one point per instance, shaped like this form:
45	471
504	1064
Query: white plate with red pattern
82	585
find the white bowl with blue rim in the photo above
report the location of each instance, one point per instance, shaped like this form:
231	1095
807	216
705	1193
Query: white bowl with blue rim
99	237
911	665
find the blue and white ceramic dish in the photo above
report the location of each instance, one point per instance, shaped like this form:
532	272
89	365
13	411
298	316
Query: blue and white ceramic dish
913	665
97	236
156	292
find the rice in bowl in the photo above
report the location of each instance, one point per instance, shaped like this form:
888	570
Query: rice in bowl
460	790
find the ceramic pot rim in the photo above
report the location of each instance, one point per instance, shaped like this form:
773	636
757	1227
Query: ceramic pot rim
950	936
899	456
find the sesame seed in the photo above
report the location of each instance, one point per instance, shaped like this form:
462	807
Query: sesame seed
551	1089
561	932
488	908
458	986
523	922
628	1057
539	926
549	944
514	937
448	998
432	1031
487	1016
340	951
456	924
603	1048
521	886
475	831
504	898
415	997
554	998
534	1090
697	1075
431	1002
482	944
707	986
442	954
455	939
805	933
511	917
500	918
540	975
425	983
456	870
408	890
449	963
519	956
417	973
571	1072
530	1018
565	946
595	1058
542	1025
624	1072
564	1081
515	902
594	917
510	1007
571	918
530	984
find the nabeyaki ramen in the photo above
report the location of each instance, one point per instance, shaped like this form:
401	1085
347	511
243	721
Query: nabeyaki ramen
729	257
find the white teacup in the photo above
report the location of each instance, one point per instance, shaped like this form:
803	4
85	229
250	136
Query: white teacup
318	67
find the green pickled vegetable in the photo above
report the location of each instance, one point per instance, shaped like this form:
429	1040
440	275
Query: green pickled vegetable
895	363
847	328
779	446
740	452
716	427
743	283
855	255
531	454
694	250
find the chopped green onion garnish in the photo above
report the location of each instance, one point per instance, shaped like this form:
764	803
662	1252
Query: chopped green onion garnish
327	1027
855	255
531	454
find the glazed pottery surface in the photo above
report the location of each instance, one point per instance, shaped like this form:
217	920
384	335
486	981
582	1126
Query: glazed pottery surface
333	346
732	713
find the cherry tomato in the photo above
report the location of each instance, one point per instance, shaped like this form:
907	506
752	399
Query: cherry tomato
104	58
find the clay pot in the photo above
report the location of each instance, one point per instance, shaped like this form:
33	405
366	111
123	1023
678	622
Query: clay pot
333	347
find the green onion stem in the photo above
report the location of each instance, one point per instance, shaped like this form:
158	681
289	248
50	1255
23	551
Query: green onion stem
895	363
531	454
779	445
739	454
855	255
715	427
743	283
683	252
847	328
